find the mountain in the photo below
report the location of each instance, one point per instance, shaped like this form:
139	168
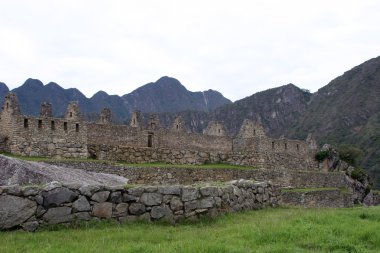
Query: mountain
3	91
276	109
344	112
165	95
347	111
169	95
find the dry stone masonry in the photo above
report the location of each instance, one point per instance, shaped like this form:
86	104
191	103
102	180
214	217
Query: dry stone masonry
30	207
71	137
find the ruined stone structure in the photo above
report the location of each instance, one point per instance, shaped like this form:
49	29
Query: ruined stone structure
71	137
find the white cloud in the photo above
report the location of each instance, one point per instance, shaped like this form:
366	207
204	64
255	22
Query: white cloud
236	47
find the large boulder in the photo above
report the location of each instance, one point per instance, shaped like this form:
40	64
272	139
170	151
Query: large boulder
15	171
15	210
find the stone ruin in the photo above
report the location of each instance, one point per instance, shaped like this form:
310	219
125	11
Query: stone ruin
72	137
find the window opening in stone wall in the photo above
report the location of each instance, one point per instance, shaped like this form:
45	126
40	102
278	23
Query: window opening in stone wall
65	126
26	123
177	127
150	140
76	127
272	144
71	114
52	125
7	105
40	123
298	147
254	131
286	145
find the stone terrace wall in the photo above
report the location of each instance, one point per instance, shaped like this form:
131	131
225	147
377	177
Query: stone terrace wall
173	156
31	207
122	135
317	198
156	175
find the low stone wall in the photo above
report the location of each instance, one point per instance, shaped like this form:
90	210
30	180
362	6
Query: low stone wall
317	198
269	160
30	207
156	175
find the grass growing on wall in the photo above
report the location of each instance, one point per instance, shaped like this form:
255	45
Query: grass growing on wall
204	166
268	230
120	163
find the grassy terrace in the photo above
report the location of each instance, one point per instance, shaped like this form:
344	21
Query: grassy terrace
267	230
342	190
143	165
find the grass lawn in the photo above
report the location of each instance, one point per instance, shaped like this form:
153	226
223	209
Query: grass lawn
269	230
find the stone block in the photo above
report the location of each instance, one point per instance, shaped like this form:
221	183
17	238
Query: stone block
30	191
89	190
102	210
151	199
158	212
58	215
15	210
171	190
206	203
30	226
58	196
116	197
121	210
176	204
211	191
189	193
82	216
81	205
137	208
100	196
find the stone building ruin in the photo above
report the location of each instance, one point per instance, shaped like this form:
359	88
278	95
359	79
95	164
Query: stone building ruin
72	137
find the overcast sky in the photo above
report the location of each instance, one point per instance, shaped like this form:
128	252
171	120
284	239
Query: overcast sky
235	47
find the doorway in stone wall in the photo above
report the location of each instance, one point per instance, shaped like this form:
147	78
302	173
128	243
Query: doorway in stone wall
150	140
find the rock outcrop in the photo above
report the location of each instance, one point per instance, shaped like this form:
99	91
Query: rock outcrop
15	171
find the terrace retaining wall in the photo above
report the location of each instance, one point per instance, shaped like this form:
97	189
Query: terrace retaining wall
30	207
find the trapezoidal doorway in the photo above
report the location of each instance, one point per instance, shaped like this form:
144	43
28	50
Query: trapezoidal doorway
150	140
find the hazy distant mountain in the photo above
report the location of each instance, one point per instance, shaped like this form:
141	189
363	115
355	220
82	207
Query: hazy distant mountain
3	91
167	94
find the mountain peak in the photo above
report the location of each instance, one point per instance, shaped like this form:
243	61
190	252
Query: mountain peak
33	83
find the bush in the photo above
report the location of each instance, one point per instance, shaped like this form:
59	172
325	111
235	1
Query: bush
350	154
359	174
322	155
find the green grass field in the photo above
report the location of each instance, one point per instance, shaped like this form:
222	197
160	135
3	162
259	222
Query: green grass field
269	230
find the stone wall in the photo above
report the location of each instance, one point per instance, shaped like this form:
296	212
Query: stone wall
270	160
51	137
317	198
71	137
157	175
31	207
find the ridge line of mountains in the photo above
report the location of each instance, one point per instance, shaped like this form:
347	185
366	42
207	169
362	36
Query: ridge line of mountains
346	111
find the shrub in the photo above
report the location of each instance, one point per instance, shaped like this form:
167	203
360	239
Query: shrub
359	174
350	154
322	155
